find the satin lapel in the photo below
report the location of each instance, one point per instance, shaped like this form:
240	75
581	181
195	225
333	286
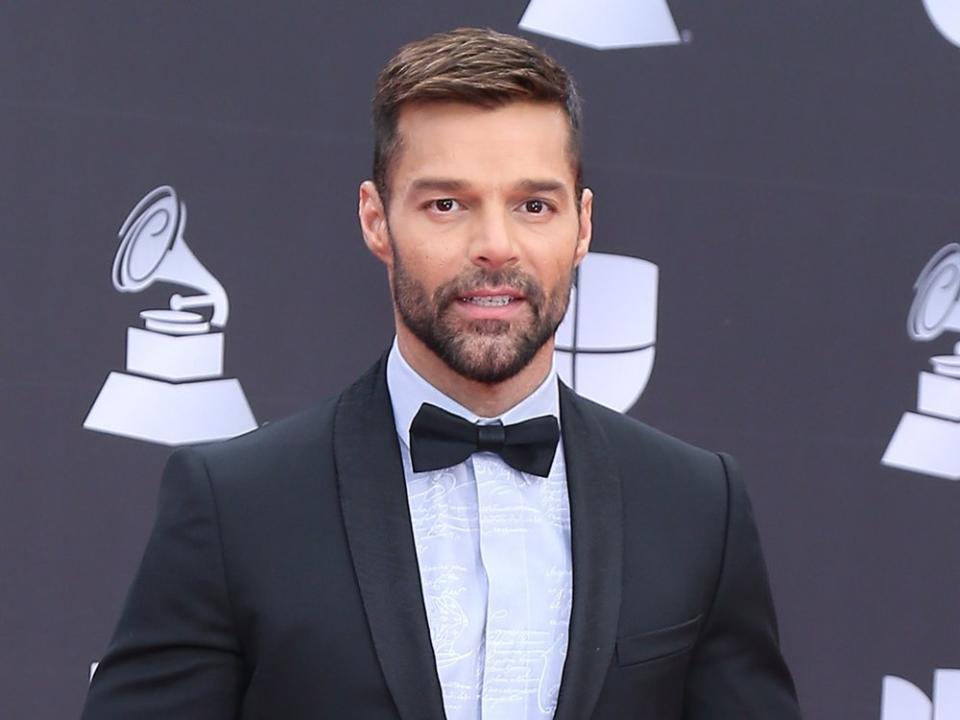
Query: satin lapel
377	518
597	544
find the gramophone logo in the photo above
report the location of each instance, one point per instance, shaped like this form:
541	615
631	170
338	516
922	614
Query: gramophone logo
928	441
603	24
902	700
172	391
945	16
605	344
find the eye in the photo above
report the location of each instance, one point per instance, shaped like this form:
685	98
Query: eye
535	207
444	205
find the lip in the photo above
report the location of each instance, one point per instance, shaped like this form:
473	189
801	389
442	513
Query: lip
491	312
493	292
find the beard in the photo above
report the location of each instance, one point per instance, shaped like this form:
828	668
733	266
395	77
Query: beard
485	351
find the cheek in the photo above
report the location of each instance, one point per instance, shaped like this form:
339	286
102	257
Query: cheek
429	242
427	268
562	268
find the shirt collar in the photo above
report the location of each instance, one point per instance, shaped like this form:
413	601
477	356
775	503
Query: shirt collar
408	390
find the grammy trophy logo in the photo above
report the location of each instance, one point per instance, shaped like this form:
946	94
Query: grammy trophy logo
172	390
928	441
603	24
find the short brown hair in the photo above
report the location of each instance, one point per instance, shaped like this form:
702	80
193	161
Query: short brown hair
477	66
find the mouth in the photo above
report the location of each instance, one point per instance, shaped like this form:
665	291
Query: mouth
489	300
495	296
493	303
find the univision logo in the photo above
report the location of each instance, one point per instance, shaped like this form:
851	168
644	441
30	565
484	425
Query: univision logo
945	16
605	344
902	700
603	24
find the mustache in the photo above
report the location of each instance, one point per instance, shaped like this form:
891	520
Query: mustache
481	279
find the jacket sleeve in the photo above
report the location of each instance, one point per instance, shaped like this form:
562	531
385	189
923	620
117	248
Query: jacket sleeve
175	652
737	670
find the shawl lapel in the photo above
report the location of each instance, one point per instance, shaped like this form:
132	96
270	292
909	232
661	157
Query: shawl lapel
597	547
377	518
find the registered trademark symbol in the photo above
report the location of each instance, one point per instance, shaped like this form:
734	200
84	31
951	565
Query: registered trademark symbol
687	36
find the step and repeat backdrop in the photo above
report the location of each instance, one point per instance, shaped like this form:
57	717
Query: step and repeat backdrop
775	273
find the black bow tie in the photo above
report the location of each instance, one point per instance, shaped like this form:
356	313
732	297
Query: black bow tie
439	439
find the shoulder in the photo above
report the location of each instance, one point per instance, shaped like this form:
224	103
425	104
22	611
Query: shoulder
258	485
630	436
643	454
296	434
275	454
290	453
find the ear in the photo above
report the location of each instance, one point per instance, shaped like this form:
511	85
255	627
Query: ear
586	225
373	223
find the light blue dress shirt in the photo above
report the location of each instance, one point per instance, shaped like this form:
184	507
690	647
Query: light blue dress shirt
493	547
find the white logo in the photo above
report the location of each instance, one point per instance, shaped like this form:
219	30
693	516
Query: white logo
902	700
603	24
928	441
605	344
172	391
945	16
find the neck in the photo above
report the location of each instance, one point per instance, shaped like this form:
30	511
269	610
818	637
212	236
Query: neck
484	399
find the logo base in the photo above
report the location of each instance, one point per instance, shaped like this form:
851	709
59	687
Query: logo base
170	413
604	25
925	444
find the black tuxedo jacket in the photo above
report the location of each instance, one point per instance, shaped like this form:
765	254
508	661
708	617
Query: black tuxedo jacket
280	581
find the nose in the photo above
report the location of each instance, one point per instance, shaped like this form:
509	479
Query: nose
493	245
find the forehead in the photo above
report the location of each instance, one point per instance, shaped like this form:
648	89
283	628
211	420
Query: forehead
483	145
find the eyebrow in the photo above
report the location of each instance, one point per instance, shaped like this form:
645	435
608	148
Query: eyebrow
437	184
540	186
529	185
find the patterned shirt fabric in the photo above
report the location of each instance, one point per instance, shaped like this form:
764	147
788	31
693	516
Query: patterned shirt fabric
493	546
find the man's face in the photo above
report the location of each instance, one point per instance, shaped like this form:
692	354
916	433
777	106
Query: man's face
484	232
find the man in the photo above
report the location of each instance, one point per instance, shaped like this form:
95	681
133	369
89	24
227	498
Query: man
456	535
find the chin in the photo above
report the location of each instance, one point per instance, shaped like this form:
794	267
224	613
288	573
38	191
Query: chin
490	359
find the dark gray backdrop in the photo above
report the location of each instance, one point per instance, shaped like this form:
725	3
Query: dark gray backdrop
790	169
